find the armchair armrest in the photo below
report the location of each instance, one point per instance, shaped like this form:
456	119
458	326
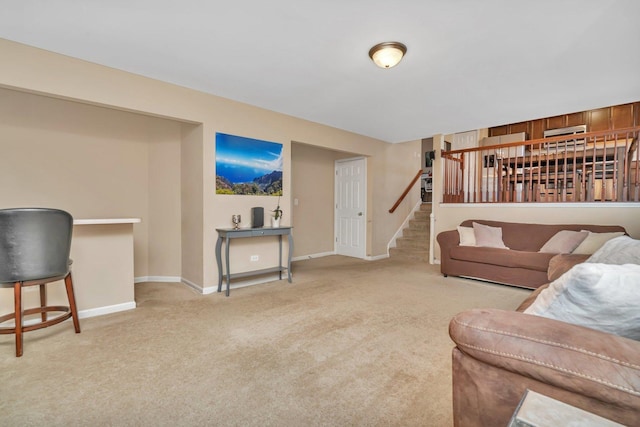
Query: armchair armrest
570	357
562	263
447	240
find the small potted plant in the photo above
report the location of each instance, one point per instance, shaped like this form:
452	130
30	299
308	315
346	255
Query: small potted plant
277	214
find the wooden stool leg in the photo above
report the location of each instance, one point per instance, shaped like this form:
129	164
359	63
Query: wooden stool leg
68	282
17	296
43	301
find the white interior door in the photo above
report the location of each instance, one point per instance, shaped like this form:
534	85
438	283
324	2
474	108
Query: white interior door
350	202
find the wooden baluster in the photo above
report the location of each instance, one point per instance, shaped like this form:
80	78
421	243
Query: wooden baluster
594	163
473	176
604	171
571	179
467	195
615	179
625	169
530	185
553	170
460	182
588	193
546	171
634	160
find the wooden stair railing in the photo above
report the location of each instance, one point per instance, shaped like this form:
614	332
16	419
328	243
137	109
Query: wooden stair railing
406	191
600	166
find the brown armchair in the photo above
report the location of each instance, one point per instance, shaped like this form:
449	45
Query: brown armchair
499	354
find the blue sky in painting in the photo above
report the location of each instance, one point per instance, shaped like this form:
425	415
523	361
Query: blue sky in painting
240	159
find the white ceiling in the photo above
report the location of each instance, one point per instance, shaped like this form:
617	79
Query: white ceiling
470	64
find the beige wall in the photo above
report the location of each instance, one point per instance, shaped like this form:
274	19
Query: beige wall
137	174
164	212
94	162
191	204
404	161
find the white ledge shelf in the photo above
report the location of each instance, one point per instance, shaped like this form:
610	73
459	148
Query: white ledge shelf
101	221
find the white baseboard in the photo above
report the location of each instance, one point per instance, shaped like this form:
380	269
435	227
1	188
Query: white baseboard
163	279
84	314
234	285
100	311
249	282
93	312
318	255
208	290
193	285
323	254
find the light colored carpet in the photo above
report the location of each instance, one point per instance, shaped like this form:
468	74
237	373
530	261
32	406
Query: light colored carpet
349	343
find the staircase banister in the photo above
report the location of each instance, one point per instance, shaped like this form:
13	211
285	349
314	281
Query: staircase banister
406	191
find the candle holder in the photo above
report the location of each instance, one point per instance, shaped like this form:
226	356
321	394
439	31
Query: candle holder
236	220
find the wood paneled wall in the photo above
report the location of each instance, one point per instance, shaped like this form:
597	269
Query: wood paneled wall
614	117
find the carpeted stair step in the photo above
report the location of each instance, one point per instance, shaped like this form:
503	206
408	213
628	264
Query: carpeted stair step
416	233
414	242
410	253
427	207
415	224
421	215
404	242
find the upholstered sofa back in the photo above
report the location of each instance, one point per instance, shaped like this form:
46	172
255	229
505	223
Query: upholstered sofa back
531	237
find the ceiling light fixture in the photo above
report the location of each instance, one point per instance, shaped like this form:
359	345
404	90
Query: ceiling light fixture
387	54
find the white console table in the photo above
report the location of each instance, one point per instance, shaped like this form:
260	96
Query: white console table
227	234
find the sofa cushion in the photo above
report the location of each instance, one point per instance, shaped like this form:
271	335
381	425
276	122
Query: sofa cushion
605	297
502	257
594	241
467	236
564	242
487	236
620	250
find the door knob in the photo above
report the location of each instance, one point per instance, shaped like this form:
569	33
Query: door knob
359	213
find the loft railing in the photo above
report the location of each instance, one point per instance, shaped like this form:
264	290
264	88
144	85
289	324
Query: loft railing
405	192
588	167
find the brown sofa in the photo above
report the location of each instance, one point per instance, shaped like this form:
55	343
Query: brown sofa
520	265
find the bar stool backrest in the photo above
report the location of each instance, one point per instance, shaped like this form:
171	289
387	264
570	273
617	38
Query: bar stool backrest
34	243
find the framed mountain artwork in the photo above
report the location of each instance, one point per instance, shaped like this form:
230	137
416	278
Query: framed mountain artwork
248	166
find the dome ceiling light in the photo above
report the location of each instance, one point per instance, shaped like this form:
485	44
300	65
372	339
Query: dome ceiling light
387	54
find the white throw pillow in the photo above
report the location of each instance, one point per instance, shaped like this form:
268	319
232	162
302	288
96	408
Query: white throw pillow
599	296
620	250
563	242
594	241
467	236
487	236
